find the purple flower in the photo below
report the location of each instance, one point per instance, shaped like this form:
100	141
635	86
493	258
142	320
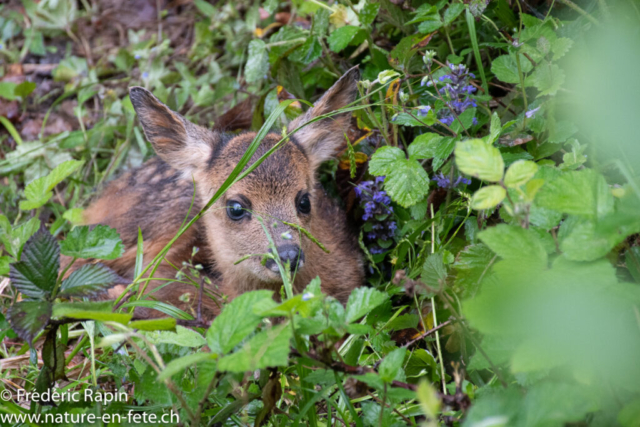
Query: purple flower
444	182
377	215
145	75
456	91
531	113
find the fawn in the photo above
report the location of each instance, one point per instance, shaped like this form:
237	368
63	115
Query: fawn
157	196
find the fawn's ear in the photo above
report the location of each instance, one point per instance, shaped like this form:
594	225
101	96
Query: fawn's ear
177	141
322	138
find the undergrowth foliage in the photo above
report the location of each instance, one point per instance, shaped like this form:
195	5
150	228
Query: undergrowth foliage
489	169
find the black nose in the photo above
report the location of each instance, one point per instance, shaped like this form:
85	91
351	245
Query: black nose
293	254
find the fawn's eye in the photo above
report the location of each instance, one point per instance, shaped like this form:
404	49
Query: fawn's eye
236	211
304	204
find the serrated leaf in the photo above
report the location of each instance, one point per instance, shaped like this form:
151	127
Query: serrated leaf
584	193
547	78
383	161
519	173
89	280
268	348
237	321
391	365
488	197
475	158
560	47
101	242
28	318
505	68
36	273
362	301
424	146
408	183
515	243
257	62
341	37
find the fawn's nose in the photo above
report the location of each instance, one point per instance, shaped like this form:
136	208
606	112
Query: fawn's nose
290	253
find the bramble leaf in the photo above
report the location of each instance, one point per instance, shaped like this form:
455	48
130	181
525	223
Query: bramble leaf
89	281
36	273
362	301
268	348
237	320
28	318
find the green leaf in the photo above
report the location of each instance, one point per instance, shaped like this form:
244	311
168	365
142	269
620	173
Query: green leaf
7	90
424	146
237	321
488	197
14	238
182	363
453	12
547	78
384	159
584	193
406	119
580	240
368	13
36	273
89	310
89	280
308	52
362	301
257	62
24	89
629	416
480	160
632	261
38	192
28	318
268	348
434	272
505	68
495	131
391	366
4	265
519	173
515	243
101	242
162	307
341	37
472	265
408	183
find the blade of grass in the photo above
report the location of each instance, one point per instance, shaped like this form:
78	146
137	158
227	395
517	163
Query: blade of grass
11	129
471	23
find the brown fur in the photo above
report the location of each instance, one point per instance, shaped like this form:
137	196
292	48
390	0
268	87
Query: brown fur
156	197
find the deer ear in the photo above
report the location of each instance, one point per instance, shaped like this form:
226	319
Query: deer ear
322	138
177	141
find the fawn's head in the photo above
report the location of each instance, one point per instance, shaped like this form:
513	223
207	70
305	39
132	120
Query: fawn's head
280	190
